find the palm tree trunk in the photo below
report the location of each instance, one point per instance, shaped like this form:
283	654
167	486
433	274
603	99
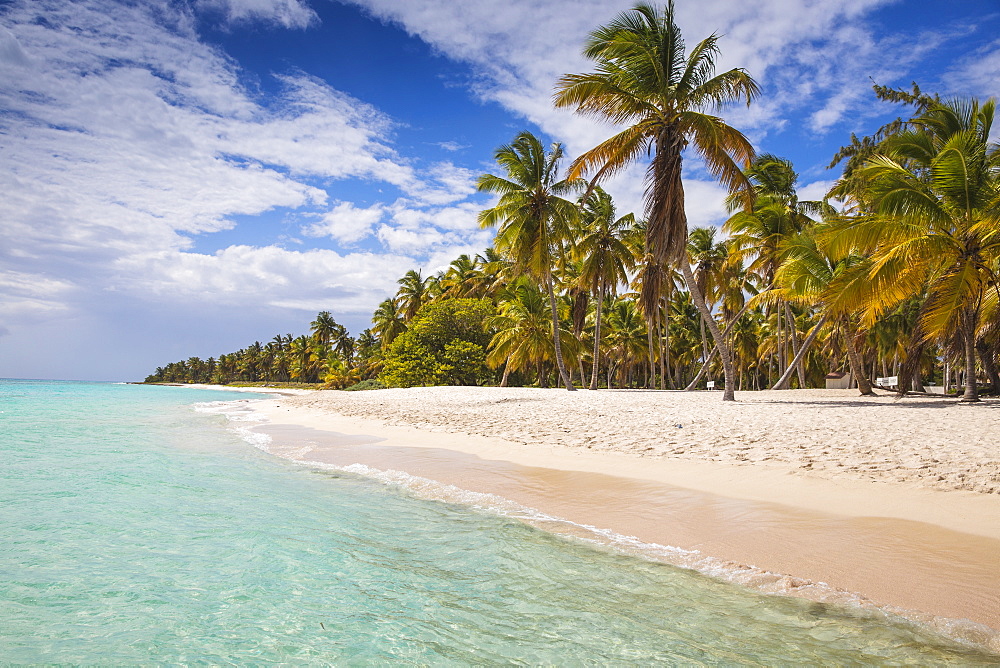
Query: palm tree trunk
971	391
597	334
652	358
506	373
782	352
800	368
857	367
782	383
699	300
555	335
704	342
663	331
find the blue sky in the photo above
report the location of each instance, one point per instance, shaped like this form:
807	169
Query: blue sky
182	177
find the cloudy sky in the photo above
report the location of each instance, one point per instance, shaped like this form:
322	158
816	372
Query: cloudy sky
182	177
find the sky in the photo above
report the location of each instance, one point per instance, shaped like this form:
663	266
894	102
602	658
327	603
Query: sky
183	177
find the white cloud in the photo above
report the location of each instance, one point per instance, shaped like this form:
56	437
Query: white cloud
286	13
451	146
977	74
807	55
346	222
271	276
816	190
126	137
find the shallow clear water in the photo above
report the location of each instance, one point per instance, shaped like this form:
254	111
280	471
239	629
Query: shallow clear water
135	529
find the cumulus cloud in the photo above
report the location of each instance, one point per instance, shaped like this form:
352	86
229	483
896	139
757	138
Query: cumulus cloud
247	276
346	222
128	138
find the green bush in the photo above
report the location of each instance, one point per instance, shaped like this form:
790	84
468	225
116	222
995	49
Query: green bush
445	344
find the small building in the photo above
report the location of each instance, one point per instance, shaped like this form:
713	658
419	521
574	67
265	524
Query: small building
838	380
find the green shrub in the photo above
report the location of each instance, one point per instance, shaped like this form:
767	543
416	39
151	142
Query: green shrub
445	344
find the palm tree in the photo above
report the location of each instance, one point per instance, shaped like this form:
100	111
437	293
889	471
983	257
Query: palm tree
808	275
412	293
461	278
758	231
605	257
626	339
708	258
324	327
388	322
644	79
523	331
934	191
532	215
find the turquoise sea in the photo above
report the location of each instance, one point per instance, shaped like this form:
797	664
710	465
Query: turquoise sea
137	529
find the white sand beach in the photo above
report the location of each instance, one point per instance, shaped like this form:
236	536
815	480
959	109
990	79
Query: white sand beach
896	502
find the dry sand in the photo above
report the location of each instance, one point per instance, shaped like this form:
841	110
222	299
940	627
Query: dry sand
833	434
895	500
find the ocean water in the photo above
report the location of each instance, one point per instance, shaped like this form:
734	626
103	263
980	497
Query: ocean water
137	529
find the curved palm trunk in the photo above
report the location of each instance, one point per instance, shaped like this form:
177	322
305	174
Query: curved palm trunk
555	336
857	368
506	373
597	335
782	383
699	300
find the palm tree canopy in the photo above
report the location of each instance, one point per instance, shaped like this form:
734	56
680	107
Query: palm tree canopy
643	79
604	244
934	193
532	214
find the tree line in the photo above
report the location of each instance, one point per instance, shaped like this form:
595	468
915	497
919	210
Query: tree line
898	279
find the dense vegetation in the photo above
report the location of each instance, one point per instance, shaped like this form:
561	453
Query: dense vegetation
901	278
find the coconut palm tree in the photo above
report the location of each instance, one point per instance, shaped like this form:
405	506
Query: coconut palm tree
605	257
934	191
708	258
644	79
532	215
412	293
523	336
388	322
810	276
324	327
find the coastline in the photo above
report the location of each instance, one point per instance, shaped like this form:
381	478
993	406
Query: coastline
828	535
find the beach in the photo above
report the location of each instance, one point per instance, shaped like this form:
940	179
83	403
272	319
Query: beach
883	502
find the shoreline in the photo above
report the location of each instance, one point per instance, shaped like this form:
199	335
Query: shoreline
906	548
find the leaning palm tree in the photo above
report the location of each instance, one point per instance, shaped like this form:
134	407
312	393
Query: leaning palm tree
644	79
532	215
